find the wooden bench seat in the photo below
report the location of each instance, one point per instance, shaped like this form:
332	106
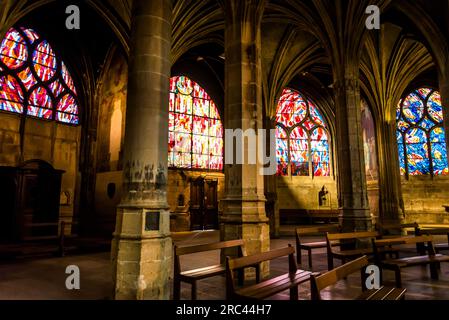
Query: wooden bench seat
431	259
383	293
202	273
350	254
193	275
415	261
441	247
269	287
320	282
309	246
273	286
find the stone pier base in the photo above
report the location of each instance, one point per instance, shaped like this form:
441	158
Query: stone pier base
142	259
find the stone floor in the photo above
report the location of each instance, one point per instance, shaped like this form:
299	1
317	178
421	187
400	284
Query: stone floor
44	278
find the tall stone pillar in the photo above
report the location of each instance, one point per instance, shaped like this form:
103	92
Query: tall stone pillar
353	195
142	247
244	202
270	184
390	194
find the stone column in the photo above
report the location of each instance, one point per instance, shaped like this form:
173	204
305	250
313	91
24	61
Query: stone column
353	195
270	184
142	247
244	202
390	194
444	91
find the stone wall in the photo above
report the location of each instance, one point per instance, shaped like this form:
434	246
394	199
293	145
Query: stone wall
301	193
424	197
178	183
112	114
373	199
55	143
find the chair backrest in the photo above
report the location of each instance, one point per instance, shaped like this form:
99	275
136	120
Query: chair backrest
253	260
351	235
377	243
333	276
434	231
402	240
321	230
179	251
385	229
333	239
317	230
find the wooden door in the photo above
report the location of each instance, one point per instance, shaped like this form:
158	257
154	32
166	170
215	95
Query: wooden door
203	204
38	199
8	189
196	204
210	204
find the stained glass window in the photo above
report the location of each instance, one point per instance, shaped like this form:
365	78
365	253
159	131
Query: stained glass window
33	81
420	134
302	141
195	138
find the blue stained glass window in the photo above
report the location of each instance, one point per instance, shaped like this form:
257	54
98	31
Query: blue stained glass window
420	134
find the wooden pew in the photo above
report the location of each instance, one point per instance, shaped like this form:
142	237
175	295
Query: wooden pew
431	258
74	241
41	238
269	287
348	246
193	275
396	229
329	278
322	215
309	246
436	231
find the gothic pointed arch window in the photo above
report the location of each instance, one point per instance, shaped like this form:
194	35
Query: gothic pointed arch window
34	81
420	134
195	129
302	138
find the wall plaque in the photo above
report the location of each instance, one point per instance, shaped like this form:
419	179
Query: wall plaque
152	220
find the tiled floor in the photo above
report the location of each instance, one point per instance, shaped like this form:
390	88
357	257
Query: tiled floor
45	278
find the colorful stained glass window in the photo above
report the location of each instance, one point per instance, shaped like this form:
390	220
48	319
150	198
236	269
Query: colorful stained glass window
420	134
33	81
302	141
195	138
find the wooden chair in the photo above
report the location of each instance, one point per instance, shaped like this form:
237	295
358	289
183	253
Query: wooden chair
309	246
193	275
349	247
396	229
269	287
437	231
431	258
320	282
